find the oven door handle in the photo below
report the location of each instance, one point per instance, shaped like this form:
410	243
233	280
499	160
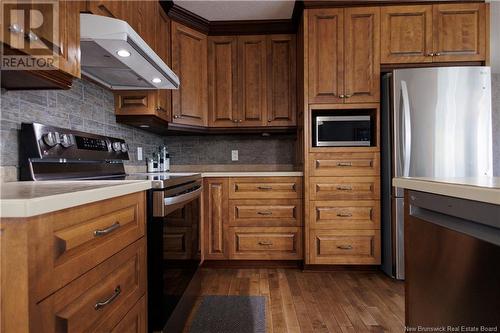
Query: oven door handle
183	197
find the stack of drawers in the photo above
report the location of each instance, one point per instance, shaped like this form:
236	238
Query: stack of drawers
87	268
263	222
344	208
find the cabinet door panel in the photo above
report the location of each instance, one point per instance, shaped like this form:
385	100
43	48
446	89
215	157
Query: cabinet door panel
222	81
459	32
281	75
189	62
326	55
252	79
406	34
162	47
362	55
215	216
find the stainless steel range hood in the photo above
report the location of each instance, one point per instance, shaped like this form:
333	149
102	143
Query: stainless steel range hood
114	55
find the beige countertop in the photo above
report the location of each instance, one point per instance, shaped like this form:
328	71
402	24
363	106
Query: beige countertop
252	174
484	189
26	199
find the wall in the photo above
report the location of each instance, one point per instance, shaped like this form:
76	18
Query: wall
88	107
495	92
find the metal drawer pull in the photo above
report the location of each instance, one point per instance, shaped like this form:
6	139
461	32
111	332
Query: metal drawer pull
110	299
344	188
345	247
344	214
105	231
265	213
344	164
265	243
265	187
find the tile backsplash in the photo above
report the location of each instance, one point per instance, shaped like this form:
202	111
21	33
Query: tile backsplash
90	108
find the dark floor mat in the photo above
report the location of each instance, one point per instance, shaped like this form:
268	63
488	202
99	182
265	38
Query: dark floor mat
231	314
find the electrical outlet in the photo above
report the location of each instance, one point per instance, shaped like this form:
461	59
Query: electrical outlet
234	155
139	153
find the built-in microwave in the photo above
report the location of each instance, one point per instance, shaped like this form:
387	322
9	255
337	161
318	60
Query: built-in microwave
342	130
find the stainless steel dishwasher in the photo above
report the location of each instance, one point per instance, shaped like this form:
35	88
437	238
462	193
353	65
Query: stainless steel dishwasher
452	262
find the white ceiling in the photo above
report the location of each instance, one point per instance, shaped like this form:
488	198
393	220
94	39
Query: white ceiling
217	10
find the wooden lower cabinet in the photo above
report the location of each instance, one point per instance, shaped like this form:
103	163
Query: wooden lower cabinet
253	218
345	215
265	243
345	247
98	300
345	188
135	321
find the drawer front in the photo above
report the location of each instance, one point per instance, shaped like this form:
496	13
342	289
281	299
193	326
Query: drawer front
100	298
135	320
177	243
267	187
73	241
345	188
345	247
345	214
344	164
284	212
265	243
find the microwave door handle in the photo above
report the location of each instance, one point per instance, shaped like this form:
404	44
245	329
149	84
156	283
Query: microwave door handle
406	129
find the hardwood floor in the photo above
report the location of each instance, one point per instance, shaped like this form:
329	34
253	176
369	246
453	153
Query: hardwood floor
300	301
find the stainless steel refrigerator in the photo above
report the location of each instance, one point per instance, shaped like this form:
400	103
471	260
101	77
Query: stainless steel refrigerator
436	122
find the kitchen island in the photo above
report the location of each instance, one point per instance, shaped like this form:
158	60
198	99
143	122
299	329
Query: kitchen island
452	251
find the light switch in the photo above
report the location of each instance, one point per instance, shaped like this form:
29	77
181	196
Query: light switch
139	153
234	155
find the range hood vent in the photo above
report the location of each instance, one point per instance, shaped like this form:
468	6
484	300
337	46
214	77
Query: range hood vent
114	55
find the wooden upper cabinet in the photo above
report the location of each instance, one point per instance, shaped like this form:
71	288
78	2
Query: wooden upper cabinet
252	80
434	33
459	32
362	55
111	8
281	80
406	34
223	81
326	55
162	47
147	13
189	62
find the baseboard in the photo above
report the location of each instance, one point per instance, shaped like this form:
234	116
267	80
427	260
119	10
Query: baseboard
252	264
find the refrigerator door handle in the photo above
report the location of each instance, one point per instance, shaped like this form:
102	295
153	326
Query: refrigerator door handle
406	129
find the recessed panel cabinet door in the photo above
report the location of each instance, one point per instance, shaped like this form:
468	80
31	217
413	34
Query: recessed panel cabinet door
189	62
164	105
406	34
223	81
459	32
252	78
326	55
281	76
362	55
215	218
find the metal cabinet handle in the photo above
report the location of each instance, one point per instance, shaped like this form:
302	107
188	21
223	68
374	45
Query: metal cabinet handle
344	188
344	247
348	96
235	120
240	121
344	214
265	243
105	231
265	213
344	164
430	54
437	54
265	187
160	109
342	96
100	304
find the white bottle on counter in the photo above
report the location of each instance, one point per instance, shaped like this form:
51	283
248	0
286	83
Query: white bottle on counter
165	159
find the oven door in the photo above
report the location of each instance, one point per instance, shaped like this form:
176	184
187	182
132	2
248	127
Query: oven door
338	131
173	261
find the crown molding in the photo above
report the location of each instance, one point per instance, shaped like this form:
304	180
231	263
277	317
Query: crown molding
247	27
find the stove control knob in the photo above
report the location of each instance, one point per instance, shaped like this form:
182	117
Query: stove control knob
51	139
67	140
124	147
117	146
